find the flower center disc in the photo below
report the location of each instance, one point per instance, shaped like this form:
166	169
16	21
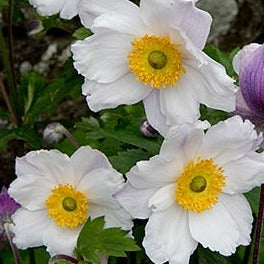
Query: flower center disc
155	61
199	186
67	206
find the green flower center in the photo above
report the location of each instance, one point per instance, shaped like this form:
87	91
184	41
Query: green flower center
157	59
69	204
198	184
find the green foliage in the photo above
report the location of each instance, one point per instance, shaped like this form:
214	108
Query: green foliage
205	256
52	94
25	133
82	33
223	58
116	133
3	4
124	160
212	116
94	240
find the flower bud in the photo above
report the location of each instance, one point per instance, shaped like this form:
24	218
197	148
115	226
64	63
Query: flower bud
147	130
34	26
53	133
7	207
249	64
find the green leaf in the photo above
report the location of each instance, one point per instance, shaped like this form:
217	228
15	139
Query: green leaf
88	123
127	159
41	256
94	240
54	93
82	33
221	57
131	139
206	256
253	199
61	261
25	133
3	4
212	116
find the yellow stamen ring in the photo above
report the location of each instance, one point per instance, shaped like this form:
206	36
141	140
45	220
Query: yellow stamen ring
199	185
67	206
156	61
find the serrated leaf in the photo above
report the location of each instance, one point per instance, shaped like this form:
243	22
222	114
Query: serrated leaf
94	240
88	123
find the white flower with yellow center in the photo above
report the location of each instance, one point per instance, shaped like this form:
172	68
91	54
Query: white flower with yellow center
150	53
58	193
192	191
67	9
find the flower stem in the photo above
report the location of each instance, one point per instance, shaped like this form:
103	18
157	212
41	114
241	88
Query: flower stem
12	245
69	135
10	39
259	224
7	101
9	75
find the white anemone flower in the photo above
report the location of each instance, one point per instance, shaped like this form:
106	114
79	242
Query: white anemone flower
192	191
67	9
152	53
57	193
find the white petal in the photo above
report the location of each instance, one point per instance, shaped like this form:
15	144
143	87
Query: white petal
89	10
161	15
105	64
86	159
126	22
215	229
31	191
168	237
69	9
206	78
182	143
163	198
238	207
245	173
114	216
125	90
154	173
29	228
51	164
153	112
60	240
100	184
179	104
211	86
228	140
47	7
135	201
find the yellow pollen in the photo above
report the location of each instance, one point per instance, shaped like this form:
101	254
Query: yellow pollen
199	185
156	61
67	206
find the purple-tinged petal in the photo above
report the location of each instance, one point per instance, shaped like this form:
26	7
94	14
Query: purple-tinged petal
252	80
7	206
245	112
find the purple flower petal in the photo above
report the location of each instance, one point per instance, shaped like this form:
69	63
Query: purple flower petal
252	80
7	206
